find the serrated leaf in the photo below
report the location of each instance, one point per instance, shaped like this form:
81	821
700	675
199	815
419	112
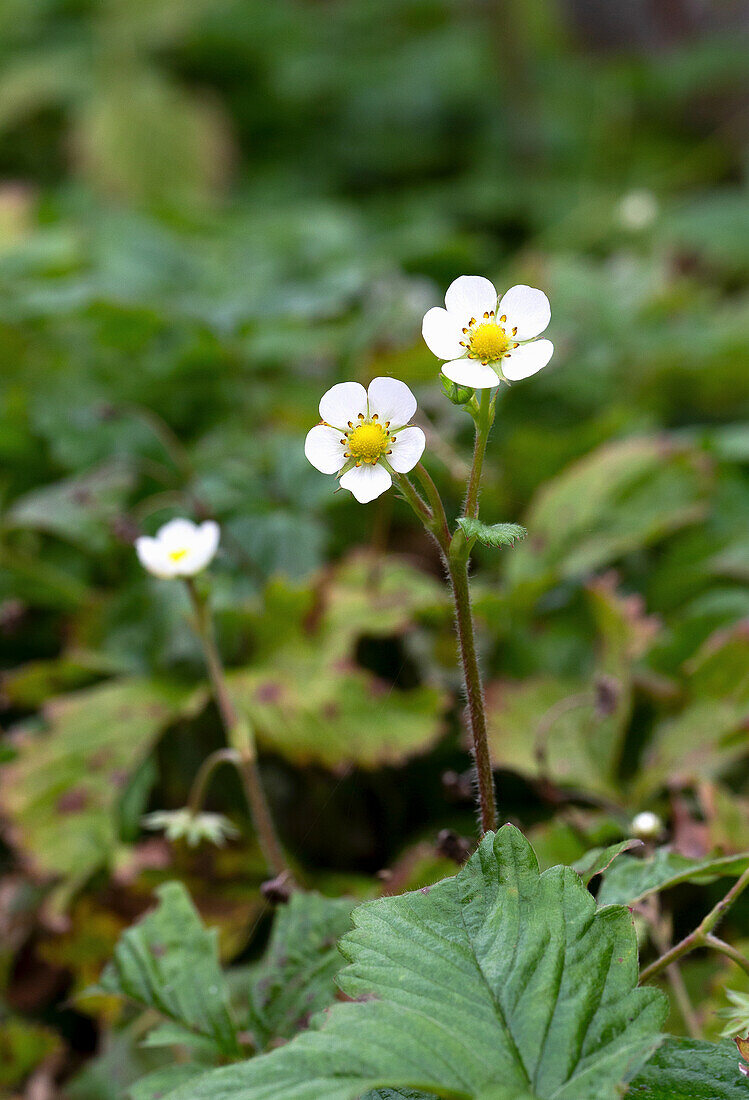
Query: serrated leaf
311	709
687	1069
597	860
61	793
630	879
296	977
169	962
494	535
497	983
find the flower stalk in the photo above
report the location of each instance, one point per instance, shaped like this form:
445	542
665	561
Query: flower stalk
458	572
484	420
702	935
242	751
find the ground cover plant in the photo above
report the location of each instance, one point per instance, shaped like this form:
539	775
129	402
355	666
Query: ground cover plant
375	671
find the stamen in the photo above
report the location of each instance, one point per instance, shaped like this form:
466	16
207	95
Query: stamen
503	318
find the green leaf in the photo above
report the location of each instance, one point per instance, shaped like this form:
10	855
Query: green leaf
169	962
623	496
597	860
62	792
686	1069
311	709
496	535
572	731
631	879
497	983
162	1082
295	979
77	509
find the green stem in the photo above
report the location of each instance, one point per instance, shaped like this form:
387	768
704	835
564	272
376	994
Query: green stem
204	775
701	936
456	553
239	736
435	502
718	944
416	502
483	425
458	571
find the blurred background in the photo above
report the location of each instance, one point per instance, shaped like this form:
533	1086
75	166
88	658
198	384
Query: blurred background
210	212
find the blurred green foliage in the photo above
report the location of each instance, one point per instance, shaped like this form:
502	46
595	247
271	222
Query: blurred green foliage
209	213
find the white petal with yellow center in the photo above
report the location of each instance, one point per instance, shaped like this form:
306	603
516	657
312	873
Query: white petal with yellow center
407	449
526	360
343	403
526	309
470	296
325	447
443	332
471	372
391	402
367	483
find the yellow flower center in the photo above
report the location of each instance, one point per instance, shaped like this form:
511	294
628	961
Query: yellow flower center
177	555
488	342
368	443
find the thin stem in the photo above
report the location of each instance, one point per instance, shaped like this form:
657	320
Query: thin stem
239	736
458	569
718	944
483	424
416	502
435	502
456	554
204	775
700	937
661	932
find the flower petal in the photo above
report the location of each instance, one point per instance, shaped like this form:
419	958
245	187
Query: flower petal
527	360
202	551
152	556
391	400
177	534
442	332
469	372
366	482
342	403
324	449
526	308
407	450
470	296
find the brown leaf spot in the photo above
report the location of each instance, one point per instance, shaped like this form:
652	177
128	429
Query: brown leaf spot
73	801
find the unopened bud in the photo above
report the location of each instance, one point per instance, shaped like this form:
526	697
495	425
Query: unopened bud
459	395
646	826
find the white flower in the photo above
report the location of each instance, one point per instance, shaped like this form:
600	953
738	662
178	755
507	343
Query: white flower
364	436
192	828
181	548
485	341
638	210
646	826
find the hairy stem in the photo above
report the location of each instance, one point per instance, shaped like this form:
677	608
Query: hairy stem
239	736
701	936
456	552
483	424
436	505
458	569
